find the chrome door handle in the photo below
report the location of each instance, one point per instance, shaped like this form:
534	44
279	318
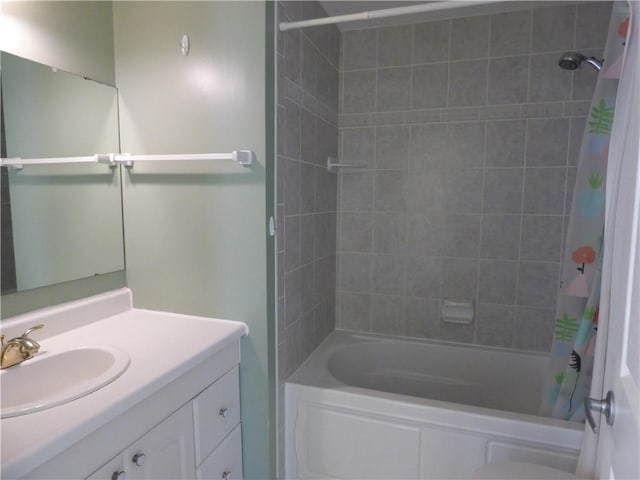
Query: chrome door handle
606	406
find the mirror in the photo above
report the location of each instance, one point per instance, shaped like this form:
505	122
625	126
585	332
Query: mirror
59	222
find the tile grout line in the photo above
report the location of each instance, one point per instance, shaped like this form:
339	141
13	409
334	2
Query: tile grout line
524	179
484	170
373	190
479	250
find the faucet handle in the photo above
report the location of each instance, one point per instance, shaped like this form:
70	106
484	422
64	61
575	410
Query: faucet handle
29	346
36	327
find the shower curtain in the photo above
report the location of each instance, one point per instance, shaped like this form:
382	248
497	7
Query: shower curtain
572	353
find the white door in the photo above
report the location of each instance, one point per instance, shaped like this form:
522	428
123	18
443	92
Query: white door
618	454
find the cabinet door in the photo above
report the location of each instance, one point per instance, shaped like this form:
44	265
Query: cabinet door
166	452
225	463
112	470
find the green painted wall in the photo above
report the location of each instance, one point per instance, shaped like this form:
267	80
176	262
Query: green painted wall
195	233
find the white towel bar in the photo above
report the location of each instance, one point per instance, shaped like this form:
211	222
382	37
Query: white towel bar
19	163
243	157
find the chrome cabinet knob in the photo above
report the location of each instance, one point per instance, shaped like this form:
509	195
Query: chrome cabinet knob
119	476
138	459
226	475
223	412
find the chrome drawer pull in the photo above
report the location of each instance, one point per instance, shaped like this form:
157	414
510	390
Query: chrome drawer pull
139	459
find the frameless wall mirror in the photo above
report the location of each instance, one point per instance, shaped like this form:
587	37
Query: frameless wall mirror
59	222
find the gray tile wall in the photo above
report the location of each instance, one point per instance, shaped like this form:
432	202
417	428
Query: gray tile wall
470	132
306	193
8	282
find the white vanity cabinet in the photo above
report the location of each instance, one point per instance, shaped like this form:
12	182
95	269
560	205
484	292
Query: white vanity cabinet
203	436
177	403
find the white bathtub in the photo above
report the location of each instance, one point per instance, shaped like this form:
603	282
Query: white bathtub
364	407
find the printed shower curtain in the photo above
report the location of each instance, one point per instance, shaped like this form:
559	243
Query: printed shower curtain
577	307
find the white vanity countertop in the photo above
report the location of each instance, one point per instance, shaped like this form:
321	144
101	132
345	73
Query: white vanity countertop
162	347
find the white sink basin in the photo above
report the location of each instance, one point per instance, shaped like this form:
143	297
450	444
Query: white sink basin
53	378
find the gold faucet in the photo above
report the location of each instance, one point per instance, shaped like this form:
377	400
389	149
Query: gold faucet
18	349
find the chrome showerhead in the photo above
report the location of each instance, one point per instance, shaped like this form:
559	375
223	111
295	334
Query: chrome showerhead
572	60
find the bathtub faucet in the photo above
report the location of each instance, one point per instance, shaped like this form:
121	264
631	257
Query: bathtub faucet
18	349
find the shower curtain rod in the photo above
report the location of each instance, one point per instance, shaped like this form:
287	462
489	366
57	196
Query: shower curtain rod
387	12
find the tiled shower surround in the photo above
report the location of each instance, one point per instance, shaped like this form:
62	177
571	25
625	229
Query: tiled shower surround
306	193
470	132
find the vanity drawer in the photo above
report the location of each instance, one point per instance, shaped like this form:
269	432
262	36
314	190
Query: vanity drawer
109	470
216	411
225	463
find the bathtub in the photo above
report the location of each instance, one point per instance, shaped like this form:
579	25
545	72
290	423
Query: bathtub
365	407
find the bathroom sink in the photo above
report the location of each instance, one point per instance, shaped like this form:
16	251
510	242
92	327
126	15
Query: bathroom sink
53	378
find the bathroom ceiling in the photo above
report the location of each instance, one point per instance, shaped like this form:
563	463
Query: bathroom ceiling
343	7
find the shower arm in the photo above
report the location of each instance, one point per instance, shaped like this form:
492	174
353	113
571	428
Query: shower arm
332	167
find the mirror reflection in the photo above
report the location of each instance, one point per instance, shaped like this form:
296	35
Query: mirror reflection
59	222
